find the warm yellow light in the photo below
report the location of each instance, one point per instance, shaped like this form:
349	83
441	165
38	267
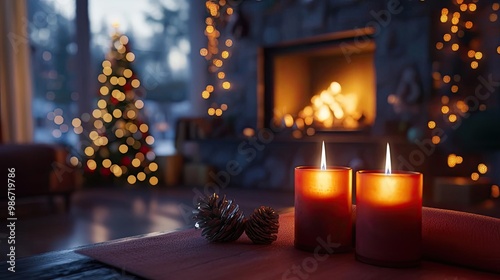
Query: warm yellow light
106	63
136	162
130	56
150	140
132	127
472	7
223	107
218	62
78	130
229	42
107	71
474	65
446	37
445	109
107	117
218	112
493	17
446	79
123	148
226	85
102	78
221	75
89	151
495	6
463	7
131	114
117	113
288	119
452	160
454	20
143	128
101	103
211	111
130	141
104	90
116	93
122	81
471	53
93	135
205	94
135	83
482	168
225	54
459	159
452	118
435	139
498	49
106	163
455	47
153	166
127	73
153	180
113	80
474	176
58	120
445	99
141	176
117	171
431	124
91	164
468	24
454	88
131	179
460	2
478	55
209	29
454	29
203	52
439	45
444	11
444	18
210	88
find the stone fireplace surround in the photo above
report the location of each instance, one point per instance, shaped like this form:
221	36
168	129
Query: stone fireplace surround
402	64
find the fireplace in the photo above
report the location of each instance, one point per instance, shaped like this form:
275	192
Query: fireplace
319	83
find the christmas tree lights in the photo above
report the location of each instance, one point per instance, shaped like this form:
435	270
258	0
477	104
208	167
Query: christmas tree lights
120	143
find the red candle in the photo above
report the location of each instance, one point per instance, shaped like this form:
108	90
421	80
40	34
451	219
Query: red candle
388	217
323	207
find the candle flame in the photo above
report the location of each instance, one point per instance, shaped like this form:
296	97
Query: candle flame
388	160
323	157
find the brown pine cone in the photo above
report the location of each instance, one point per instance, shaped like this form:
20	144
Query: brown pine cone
220	220
262	226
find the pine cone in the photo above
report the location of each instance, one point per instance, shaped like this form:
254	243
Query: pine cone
220	221
262	226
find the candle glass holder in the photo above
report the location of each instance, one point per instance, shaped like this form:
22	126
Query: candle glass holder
323	209
389	218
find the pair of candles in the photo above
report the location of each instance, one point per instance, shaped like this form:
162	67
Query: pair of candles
388	212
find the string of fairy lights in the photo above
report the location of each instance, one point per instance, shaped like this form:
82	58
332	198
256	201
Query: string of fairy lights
216	54
459	21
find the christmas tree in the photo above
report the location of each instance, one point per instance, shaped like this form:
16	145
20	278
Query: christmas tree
120	143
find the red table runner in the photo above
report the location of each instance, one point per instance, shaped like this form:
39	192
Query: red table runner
449	236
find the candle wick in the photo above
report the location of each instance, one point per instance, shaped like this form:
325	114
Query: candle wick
388	160
323	157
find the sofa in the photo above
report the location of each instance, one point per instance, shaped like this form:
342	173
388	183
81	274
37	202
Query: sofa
39	170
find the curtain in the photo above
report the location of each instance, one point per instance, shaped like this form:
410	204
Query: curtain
15	77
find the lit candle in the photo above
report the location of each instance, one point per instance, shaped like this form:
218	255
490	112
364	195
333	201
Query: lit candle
323	198
388	216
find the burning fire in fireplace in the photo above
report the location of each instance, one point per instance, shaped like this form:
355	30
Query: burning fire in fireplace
329	109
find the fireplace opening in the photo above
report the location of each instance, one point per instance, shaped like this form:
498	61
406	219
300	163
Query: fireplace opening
320	84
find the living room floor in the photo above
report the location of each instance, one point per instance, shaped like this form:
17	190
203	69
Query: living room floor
102	214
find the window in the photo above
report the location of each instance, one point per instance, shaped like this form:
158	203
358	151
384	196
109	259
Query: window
158	32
